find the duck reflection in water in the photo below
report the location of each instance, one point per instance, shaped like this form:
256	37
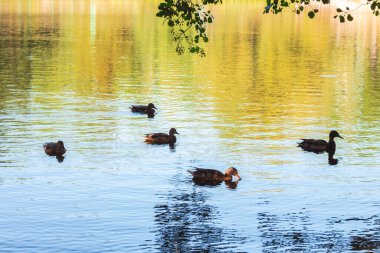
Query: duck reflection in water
296	231
365	243
212	177
229	184
60	158
332	160
185	222
172	147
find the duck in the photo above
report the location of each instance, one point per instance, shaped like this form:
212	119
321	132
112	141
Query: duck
145	109
54	148
213	177
162	138
320	146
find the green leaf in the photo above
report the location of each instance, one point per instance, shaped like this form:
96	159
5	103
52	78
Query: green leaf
192	50
311	14
342	19
316	10
209	19
284	3
170	23
161	6
205	39
339	10
349	17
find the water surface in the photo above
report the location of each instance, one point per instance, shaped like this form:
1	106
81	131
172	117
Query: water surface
69	70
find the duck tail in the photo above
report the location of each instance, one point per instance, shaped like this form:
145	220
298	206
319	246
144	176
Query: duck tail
191	172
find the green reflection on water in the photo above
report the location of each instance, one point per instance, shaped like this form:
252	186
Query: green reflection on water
261	70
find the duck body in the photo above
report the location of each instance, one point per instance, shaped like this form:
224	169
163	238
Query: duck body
320	146
208	175
162	138
213	177
54	148
312	145
144	109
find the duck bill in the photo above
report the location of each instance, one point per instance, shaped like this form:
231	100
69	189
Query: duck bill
238	177
155	107
340	137
177	132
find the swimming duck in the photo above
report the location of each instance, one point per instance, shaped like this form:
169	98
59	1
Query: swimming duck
146	109
161	138
213	177
320	146
54	149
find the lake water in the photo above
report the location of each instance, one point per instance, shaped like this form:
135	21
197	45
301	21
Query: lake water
69	70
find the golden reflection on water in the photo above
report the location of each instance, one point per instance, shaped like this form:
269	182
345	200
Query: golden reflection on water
260	70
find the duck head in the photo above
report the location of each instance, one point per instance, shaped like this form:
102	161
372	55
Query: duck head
334	134
232	172
151	106
172	131
60	144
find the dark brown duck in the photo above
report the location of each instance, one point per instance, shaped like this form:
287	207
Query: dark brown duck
54	148
145	109
213	177
320	146
162	138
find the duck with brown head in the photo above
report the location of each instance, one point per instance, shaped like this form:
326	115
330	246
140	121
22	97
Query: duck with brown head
54	148
213	177
320	146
